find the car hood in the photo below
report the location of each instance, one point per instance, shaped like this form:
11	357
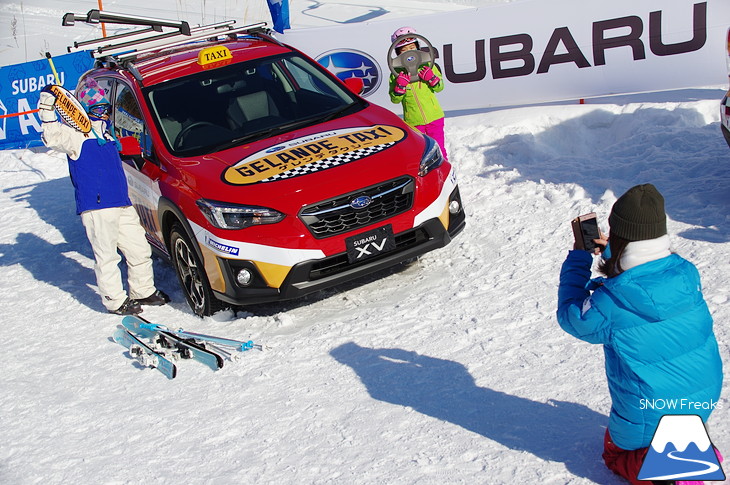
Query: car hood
311	164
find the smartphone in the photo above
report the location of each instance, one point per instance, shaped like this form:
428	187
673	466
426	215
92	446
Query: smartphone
585	230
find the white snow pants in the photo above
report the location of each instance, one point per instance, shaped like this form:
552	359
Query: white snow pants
119	228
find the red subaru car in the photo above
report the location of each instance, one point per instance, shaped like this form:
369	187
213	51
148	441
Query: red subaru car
261	176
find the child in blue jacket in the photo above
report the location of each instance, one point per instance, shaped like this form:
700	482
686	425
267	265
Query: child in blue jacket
653	322
102	201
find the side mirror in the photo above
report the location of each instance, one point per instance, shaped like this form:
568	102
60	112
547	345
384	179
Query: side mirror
355	84
130	146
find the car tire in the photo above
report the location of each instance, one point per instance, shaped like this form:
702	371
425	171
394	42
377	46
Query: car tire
191	274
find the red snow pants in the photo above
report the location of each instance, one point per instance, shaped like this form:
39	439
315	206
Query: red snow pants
625	463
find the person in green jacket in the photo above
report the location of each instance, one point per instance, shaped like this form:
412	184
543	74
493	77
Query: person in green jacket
421	109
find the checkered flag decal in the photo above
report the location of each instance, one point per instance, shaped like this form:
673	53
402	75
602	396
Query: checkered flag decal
324	164
69	121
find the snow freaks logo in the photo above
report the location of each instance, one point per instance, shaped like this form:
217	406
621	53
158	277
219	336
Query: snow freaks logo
681	449
347	63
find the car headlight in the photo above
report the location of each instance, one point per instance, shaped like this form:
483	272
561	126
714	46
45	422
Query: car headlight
233	216
432	157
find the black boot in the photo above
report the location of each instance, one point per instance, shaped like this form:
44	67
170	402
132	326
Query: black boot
158	298
129	307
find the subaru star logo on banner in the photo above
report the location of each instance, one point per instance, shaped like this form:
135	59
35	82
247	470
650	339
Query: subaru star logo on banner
346	63
681	449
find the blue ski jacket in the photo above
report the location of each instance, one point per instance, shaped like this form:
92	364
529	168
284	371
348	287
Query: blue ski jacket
94	165
661	355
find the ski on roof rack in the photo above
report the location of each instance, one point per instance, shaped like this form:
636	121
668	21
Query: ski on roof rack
128	45
96	16
153	32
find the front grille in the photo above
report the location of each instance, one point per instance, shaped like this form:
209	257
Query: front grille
337	215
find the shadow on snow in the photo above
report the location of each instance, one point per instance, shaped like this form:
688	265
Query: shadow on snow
556	431
54	263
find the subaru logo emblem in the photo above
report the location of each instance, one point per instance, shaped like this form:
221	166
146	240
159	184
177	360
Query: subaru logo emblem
361	202
346	63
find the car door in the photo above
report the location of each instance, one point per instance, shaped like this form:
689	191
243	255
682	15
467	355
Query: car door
142	170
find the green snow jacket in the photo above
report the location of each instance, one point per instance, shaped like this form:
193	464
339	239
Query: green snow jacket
420	106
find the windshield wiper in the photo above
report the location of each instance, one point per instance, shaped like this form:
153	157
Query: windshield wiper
287	126
256	135
339	111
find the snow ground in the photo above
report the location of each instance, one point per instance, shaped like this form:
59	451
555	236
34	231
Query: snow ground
452	371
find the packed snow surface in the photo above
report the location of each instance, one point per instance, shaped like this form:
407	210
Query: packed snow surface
450	371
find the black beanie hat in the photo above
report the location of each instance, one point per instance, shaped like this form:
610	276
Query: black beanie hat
639	214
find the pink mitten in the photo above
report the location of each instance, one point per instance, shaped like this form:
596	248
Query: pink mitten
400	83
428	76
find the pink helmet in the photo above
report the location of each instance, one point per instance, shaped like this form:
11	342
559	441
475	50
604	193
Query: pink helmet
404	31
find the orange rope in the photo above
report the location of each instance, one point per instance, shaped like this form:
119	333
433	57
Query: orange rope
103	26
19	114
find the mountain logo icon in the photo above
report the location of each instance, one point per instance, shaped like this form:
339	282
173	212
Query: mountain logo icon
681	449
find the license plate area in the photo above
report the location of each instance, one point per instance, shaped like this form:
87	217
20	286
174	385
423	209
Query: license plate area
370	244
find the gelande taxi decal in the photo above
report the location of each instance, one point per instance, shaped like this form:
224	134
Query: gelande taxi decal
70	109
313	153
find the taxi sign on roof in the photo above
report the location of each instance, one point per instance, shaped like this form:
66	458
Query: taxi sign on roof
216	56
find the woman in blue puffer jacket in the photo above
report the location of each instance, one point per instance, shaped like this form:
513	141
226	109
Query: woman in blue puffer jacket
654	324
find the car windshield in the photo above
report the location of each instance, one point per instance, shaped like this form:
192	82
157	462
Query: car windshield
239	103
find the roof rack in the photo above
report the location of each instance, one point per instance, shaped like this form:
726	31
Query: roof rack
200	33
128	45
86	43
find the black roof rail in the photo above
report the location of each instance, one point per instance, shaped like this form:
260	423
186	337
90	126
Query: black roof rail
199	35
128	45
113	37
96	16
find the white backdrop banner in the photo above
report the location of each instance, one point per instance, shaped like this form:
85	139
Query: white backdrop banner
535	51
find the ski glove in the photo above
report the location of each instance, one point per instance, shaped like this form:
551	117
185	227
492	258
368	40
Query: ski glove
46	102
400	83
428	76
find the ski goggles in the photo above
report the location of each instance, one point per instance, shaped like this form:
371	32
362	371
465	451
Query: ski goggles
99	109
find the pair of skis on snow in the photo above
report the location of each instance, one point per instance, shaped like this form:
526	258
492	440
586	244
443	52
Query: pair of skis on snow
159	347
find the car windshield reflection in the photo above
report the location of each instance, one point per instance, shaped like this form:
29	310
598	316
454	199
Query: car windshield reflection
243	102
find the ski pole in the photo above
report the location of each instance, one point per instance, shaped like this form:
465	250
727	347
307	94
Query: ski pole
53	68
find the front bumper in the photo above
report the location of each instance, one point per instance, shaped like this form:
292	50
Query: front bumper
315	275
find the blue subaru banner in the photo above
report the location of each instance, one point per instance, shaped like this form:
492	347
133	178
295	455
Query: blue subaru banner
20	86
279	14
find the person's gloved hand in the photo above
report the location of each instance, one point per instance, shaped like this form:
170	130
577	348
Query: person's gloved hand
427	75
46	102
400	83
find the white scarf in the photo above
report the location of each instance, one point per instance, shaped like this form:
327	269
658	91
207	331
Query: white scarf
640	252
